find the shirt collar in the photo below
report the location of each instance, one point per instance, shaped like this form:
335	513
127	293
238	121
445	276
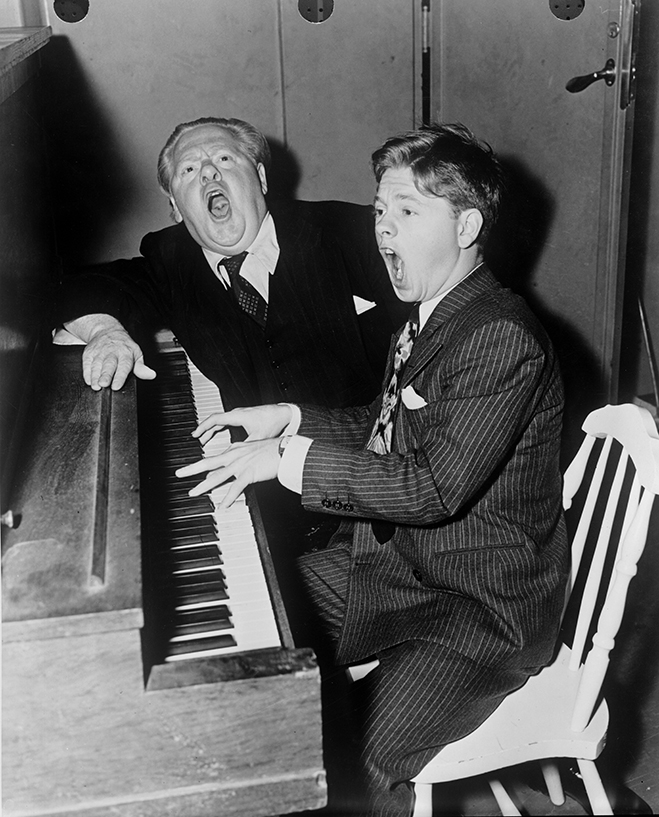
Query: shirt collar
426	308
264	247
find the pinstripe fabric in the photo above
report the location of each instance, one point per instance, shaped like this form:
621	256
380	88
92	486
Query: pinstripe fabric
477	566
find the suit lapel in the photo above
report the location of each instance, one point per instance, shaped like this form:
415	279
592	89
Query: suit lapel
431	337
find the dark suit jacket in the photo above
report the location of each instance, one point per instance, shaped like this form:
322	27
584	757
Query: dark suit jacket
315	348
478	561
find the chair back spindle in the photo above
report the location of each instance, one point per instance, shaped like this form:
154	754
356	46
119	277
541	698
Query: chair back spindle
627	505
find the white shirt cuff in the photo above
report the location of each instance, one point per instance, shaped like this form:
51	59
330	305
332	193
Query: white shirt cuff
291	465
296	419
62	337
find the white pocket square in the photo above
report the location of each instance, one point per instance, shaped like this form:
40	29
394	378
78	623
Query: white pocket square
411	399
362	305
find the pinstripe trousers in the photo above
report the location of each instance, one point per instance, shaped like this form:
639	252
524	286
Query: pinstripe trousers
422	695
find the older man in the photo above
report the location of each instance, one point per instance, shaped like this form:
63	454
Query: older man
272	301
283	302
450	563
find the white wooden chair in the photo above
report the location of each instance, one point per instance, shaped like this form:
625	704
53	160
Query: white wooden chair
559	712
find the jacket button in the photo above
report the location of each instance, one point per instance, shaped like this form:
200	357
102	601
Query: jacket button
418	575
337	504
349	507
326	503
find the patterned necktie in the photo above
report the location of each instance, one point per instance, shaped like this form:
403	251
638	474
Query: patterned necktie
249	300
380	440
381	436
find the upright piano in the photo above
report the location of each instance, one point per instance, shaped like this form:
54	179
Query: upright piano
148	667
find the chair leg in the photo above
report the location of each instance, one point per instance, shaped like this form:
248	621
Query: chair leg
508	808
422	800
599	802
553	782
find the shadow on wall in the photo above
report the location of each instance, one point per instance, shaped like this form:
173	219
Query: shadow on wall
513	253
284	174
89	179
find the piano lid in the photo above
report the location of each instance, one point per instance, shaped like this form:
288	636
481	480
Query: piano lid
73	563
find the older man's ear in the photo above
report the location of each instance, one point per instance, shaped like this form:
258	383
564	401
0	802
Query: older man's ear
260	169
176	213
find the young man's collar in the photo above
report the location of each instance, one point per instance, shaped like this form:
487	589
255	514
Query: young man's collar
426	308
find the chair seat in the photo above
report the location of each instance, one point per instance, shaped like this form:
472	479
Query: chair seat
532	723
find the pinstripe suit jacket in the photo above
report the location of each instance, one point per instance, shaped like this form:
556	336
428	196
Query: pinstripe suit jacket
478	561
315	348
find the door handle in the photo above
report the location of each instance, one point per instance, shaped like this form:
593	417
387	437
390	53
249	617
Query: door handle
608	74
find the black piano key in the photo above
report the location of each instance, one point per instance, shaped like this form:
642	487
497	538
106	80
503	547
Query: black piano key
201	523
180	539
211	619
193	506
192	579
200	594
199	557
216	642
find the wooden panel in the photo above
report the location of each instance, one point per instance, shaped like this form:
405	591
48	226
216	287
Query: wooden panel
84	737
17	46
48	559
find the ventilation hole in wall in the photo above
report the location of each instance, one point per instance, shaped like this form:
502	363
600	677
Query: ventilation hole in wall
566	9
71	11
315	11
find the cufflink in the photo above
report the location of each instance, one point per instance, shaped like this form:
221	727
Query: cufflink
283	442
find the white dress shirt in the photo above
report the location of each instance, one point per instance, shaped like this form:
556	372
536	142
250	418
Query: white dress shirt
260	263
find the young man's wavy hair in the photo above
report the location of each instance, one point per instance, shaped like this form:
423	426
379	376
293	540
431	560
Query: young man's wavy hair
448	161
251	140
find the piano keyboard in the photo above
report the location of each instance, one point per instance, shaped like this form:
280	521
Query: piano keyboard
221	602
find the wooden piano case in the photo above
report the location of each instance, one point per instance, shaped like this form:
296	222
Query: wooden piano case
88	729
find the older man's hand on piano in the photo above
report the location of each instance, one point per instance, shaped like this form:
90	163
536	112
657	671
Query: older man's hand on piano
110	354
242	464
260	422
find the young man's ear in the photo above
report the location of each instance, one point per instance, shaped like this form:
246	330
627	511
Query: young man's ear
469	227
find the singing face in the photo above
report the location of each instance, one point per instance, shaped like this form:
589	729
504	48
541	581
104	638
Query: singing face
426	247
216	190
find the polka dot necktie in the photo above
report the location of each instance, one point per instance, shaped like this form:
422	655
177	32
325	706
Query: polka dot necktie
381	436
380	440
249	299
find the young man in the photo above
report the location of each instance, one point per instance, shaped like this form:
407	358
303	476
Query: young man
451	560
